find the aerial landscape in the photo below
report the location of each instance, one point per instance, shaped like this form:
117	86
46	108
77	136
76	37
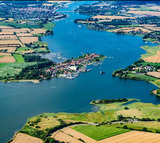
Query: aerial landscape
80	71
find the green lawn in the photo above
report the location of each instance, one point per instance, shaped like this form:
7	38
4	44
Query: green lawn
99	133
19	58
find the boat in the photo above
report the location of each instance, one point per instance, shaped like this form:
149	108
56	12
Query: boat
89	70
102	72
79	26
70	77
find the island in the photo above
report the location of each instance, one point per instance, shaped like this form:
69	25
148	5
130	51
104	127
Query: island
115	117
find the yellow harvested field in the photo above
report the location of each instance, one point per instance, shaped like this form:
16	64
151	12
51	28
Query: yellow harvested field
153	59
150	27
28	40
6	33
5	54
24	34
8	37
111	17
129	29
38	31
72	136
23	138
78	135
138	12
17	30
2	18
130	113
7	59
155	74
60	136
9	42
48	122
6	27
133	137
9	49
85	22
153	125
26	52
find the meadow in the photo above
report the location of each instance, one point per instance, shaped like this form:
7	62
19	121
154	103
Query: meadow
99	133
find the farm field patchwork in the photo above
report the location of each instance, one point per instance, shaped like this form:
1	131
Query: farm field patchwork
28	40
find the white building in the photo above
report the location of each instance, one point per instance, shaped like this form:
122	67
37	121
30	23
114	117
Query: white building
74	68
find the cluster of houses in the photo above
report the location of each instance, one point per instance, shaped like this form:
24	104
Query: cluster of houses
33	12
142	70
71	68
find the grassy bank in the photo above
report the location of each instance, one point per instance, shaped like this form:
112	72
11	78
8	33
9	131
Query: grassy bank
43	125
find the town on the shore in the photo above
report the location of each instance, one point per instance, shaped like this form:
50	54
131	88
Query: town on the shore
71	68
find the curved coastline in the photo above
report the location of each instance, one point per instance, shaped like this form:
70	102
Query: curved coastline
44	38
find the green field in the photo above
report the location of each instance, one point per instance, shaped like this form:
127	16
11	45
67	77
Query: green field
19	58
151	51
99	133
10	69
106	113
2	64
146	78
49	26
19	25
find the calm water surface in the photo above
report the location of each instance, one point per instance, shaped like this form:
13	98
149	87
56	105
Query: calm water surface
18	101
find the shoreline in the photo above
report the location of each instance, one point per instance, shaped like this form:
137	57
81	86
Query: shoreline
67	119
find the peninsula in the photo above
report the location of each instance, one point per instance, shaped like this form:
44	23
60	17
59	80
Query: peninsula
20	36
21	46
116	117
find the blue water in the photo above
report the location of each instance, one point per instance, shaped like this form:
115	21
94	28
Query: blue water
18	101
